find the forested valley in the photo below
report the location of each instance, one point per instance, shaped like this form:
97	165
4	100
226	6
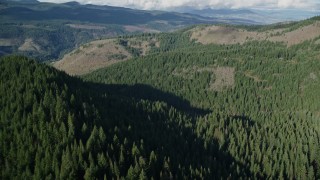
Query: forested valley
185	110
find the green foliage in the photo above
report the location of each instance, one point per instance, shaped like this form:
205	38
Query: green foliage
55	126
172	41
185	111
267	120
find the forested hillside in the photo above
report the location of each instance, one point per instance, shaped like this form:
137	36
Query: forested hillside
259	100
177	109
57	127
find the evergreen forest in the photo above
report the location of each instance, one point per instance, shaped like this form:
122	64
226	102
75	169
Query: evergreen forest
183	111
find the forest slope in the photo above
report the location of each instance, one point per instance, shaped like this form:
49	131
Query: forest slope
181	110
259	100
57	127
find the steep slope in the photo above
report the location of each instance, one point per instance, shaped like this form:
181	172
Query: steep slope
57	127
41	121
92	56
103	53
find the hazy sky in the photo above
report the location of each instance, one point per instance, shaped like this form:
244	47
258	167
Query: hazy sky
165	4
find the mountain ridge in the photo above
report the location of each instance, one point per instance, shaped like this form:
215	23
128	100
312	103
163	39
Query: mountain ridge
288	33
46	23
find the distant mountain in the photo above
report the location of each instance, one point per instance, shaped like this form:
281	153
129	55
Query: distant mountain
73	11
21	1
241	15
281	15
257	16
218	12
46	31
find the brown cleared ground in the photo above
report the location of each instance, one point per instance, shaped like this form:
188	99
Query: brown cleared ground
92	56
224	77
99	54
298	36
86	26
8	42
130	28
231	35
30	45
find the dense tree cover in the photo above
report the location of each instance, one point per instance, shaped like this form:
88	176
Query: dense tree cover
185	111
57	127
268	120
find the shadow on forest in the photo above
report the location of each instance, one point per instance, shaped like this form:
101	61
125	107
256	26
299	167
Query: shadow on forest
147	92
166	135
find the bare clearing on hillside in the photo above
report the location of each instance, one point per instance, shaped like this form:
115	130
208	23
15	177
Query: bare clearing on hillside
8	42
222	77
30	45
101	53
299	35
221	35
92	56
231	35
86	26
130	28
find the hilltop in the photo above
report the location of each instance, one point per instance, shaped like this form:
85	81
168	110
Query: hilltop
290	34
90	57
